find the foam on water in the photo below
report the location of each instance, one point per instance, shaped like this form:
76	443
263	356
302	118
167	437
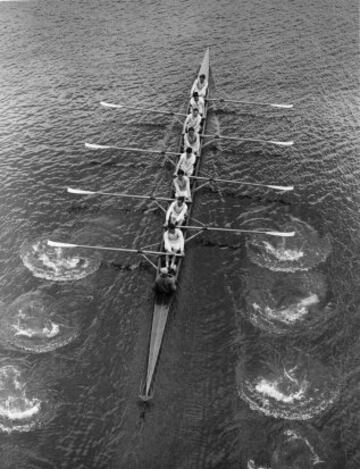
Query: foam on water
282	303
18	411
38	323
297	390
302	252
57	264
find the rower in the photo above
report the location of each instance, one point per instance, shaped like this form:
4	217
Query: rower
197	101
176	212
182	185
192	139
193	120
173	244
186	162
200	85
165	282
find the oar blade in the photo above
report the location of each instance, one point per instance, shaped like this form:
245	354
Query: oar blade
110	105
280	188
286	234
95	146
282	106
56	244
282	144
79	191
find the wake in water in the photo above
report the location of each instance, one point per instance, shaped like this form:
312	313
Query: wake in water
293	450
20	410
57	264
302	252
36	322
280	303
296	388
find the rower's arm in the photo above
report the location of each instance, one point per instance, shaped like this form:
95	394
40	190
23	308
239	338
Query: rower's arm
168	213
182	241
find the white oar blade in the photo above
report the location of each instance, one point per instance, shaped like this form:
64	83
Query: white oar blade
282	144
110	105
287	234
79	191
281	188
95	146
282	106
55	244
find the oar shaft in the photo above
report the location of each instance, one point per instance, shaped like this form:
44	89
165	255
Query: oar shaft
118	194
235	230
95	146
230	181
256	103
259	140
134	108
106	248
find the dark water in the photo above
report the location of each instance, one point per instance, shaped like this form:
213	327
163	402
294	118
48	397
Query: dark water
234	384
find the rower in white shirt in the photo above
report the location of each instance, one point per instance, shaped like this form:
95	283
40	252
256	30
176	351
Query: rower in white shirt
173	244
182	185
193	120
192	139
200	85
186	162
197	101
176	213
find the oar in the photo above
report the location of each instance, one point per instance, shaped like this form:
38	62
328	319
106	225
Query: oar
95	146
157	111
118	194
270	186
236	230
105	248
258	103
237	139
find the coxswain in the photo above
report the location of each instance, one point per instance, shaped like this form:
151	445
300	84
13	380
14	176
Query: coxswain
165	282
192	139
173	244
182	185
186	162
176	212
200	86
193	120
197	101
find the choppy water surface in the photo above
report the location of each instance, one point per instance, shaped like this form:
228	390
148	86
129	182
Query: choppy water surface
260	362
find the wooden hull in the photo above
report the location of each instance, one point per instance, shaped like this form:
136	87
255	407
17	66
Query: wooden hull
162	303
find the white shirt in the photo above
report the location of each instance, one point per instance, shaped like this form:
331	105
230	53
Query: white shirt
192	121
174	242
199	104
175	213
186	164
182	187
200	89
195	145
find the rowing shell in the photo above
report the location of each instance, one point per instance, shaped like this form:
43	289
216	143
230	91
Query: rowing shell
162	303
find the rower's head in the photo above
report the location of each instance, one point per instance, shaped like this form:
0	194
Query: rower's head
188	151
171	227
191	131
163	271
195	111
180	200
180	173
202	78
196	95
